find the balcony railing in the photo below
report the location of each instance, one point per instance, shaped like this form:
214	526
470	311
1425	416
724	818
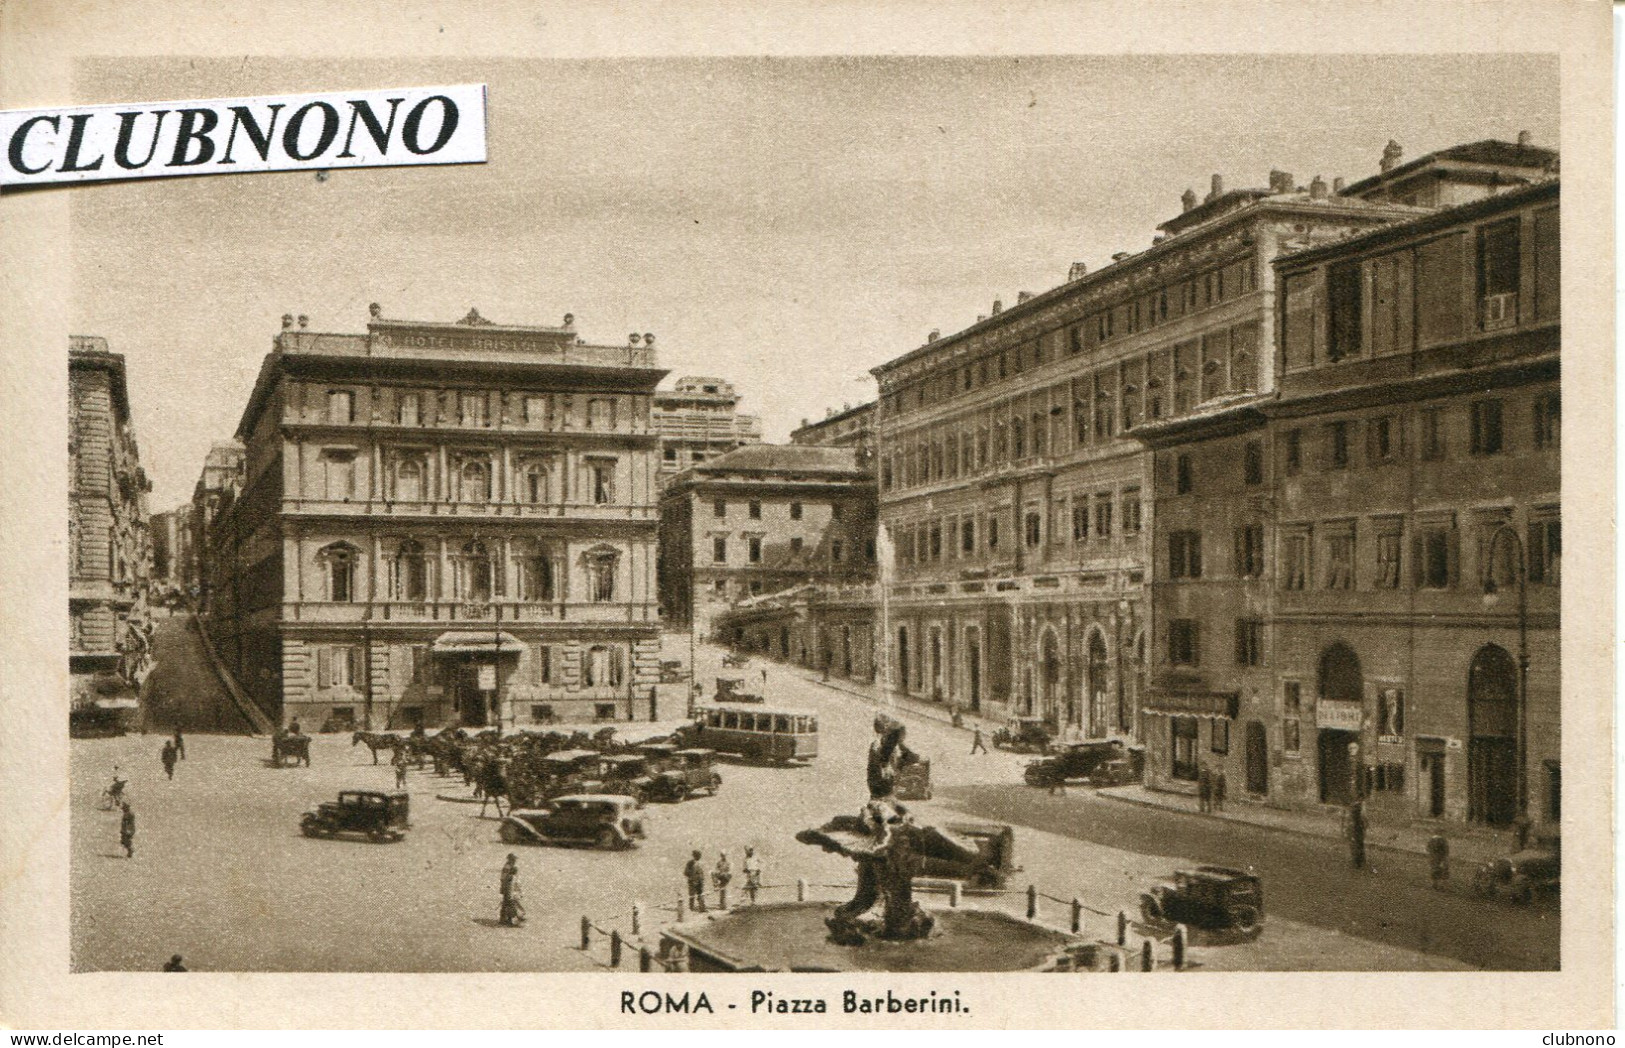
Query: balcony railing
642	512
457	612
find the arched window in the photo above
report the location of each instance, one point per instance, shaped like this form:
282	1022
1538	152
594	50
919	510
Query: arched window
409	480
338	563
534	483
410	575
1340	678
536	576
475	481
476	567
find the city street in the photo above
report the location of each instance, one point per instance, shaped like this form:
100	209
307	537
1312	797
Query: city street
222	876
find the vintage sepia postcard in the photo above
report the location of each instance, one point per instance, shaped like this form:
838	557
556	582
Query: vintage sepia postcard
777	515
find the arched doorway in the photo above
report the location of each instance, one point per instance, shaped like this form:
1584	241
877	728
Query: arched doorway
1098	708
1340	682
1492	753
902	657
1049	657
1258	759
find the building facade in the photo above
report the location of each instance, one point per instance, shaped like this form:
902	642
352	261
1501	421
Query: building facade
172	567
1355	582
1014	498
848	428
444	523
698	420
829	628
216	489
109	542
763	519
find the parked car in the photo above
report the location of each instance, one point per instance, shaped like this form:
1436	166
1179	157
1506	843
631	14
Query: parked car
627	774
1119	771
668	780
1024	735
1519	875
600	820
568	771
378	816
1077	760
1216	898
732	689
698	768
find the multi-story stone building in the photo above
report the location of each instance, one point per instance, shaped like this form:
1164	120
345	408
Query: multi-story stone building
848	428
109	544
172	568
216	489
444	523
1014	499
698	420
762	519
1337	578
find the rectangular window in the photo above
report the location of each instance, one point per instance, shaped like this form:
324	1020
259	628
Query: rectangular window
603	483
1185	554
408	409
1249	642
1290	735
1182	475
935	541
1250	551
1381	439
1291	698
755	550
473	409
1295	562
1103	516
1498	275
1219	736
1293	439
1034	530
340	407
719	550
992	532
1337	445
1546	549
795	511
1391	712
536	412
1431	422
1131	511
1486	427
795	544
1339	573
1548	420
1183	642
967	535
755	511
1080	519
601	413
719	509
1252	463
1388	547
1343	300
1182	747
338	469
1434	556
420	663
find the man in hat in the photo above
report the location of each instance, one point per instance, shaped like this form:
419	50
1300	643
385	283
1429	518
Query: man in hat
126	831
694	874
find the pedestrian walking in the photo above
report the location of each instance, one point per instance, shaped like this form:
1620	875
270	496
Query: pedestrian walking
1204	790
694	873
180	746
512	911
1356	834
399	760
1439	860
167	755
126	831
1220	784
976	743
723	874
752	867
174	964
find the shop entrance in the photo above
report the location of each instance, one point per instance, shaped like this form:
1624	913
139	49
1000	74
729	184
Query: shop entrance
1430	770
1492	757
1336	767
1258	759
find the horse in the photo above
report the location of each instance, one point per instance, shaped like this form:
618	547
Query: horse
376	741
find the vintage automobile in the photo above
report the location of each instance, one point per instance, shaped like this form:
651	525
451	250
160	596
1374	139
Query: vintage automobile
1214	898
1518	876
995	845
626	774
731	689
913	782
601	820
1076	760
1119	771
380	817
698	768
1024	735
668	781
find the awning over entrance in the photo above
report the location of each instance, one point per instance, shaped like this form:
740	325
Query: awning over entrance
476	642
1225	704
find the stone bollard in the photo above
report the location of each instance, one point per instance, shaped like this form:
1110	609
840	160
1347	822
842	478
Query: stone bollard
1032	902
955	892
722	897
801	889
637	919
1179	948
586	933
615	948
1114	963
1077	915
1122	927
1148	957
682	908
646	960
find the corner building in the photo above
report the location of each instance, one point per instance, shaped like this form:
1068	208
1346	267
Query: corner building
444	523
1016	501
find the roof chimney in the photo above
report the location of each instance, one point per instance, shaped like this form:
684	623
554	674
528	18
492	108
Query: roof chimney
1317	189
1281	182
287	321
1023	296
634	338
998	307
1078	271
804	422
569	321
935	334
981	317
1187	200
1338	183
648	338
304	321
375	311
1390	155
1119	256
1525	139
1218	188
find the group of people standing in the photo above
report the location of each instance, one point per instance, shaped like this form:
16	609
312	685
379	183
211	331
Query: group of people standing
721	875
1211	787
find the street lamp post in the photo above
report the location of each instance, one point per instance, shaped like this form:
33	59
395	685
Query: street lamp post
1520	822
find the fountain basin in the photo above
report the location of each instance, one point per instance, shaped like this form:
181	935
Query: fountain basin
791	936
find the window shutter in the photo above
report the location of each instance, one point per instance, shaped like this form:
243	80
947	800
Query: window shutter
1441	285
1418	560
324	668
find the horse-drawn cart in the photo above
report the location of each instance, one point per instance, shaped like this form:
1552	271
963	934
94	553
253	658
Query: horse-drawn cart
290	750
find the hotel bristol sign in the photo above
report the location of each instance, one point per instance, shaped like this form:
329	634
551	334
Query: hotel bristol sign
404	126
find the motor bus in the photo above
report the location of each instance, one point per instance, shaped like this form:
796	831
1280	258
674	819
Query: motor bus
758	733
